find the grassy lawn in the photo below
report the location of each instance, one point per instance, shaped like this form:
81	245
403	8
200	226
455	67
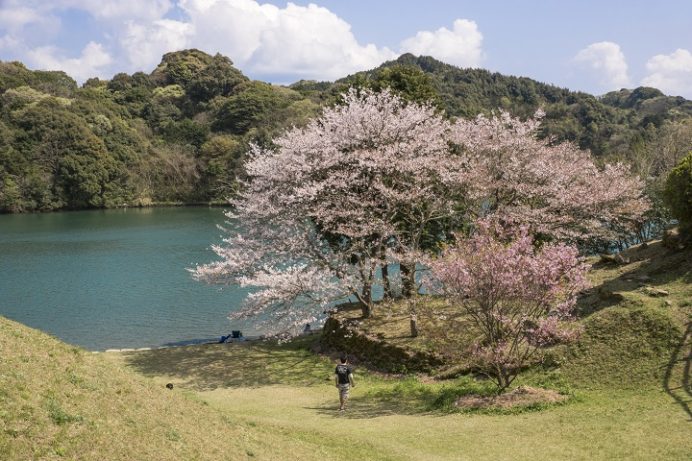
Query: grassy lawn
602	425
285	393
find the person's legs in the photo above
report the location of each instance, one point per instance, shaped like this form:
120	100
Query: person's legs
343	396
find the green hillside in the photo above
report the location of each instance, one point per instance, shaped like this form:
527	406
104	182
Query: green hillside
61	402
177	135
180	133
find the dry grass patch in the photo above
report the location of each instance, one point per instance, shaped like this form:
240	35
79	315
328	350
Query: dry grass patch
521	397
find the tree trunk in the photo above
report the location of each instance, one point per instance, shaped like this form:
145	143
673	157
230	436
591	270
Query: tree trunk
366	310
366	300
385	282
408	279
414	326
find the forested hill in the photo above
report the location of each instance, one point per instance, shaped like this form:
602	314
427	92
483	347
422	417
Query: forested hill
179	134
609	125
175	135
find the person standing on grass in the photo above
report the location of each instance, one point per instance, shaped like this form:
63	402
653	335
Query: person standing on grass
343	377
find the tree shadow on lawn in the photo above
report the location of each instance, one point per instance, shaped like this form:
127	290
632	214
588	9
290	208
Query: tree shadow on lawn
519	400
682	353
367	408
241	364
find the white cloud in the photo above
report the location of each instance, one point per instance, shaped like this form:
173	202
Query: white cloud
9	42
144	44
234	27
671	73
608	63
305	41
142	35
130	9
460	46
16	17
20	23
262	39
92	62
310	41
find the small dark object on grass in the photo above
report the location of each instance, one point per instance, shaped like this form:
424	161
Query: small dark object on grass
169	386
614	259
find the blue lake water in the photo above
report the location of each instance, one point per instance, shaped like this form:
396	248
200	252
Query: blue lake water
115	278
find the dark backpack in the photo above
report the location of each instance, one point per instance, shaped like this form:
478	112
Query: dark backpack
342	371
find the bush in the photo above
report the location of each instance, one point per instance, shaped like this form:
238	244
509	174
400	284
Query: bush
678	193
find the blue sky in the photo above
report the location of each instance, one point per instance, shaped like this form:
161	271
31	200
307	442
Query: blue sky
594	46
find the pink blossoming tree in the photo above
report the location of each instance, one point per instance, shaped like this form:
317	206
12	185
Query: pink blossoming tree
557	190
375	181
520	298
362	186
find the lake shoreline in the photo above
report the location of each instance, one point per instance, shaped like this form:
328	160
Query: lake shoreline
234	341
125	207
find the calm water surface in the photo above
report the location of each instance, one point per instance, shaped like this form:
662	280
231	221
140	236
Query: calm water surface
114	278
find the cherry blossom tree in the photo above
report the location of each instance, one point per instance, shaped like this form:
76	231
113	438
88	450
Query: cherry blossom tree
365	184
520	299
376	181
556	189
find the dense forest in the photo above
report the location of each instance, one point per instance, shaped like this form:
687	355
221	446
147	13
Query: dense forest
180	133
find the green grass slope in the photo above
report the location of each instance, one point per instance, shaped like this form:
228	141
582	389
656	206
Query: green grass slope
636	322
628	347
61	402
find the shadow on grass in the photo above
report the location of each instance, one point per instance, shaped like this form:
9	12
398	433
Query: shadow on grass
682	353
439	402
242	364
368	408
657	266
408	397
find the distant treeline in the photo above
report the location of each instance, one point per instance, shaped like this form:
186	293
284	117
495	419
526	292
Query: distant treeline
180	134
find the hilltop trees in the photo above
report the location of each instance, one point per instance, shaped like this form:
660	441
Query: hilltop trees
136	139
57	161
154	127
610	127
